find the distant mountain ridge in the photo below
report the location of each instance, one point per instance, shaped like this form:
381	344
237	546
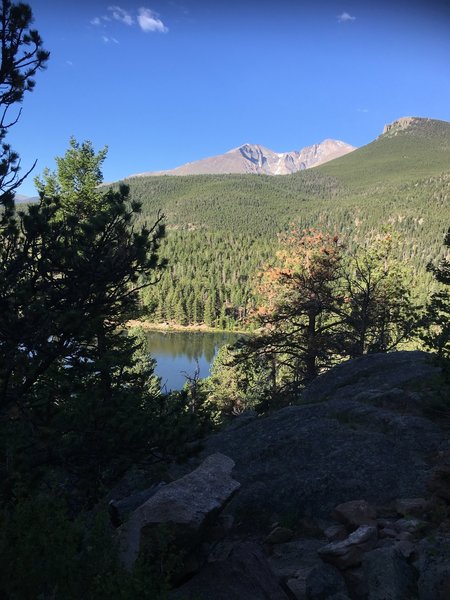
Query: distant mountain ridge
19	198
256	159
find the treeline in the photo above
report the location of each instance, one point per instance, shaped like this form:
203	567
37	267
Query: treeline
210	279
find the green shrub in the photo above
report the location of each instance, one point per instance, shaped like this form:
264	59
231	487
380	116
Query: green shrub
46	555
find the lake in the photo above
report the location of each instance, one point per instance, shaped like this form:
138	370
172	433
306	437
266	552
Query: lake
178	353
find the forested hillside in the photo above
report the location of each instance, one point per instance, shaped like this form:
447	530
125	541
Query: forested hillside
222	229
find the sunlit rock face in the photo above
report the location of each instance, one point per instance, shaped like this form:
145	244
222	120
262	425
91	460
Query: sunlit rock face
253	158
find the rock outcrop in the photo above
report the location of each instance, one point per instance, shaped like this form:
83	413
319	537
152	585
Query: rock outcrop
189	504
350	552
399	124
396	381
433	566
243	573
360	474
352	439
355	513
388	575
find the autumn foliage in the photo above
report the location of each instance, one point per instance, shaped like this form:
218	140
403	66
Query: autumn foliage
322	304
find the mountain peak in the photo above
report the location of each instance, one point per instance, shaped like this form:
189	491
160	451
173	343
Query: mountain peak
402	123
257	159
248	147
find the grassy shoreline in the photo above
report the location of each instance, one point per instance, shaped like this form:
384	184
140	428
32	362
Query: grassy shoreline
149	326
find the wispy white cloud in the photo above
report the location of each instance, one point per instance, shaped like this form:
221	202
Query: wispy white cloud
120	14
345	17
149	21
100	21
108	39
69	63
362	110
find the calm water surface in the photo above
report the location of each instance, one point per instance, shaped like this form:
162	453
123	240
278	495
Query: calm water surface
177	354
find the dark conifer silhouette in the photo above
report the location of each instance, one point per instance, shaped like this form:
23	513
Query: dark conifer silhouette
436	332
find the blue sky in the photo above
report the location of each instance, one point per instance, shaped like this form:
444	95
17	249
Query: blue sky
167	82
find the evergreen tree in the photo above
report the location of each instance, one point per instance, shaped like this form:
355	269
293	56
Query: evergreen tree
436	323
76	180
180	312
22	56
378	312
70	394
209	307
235	386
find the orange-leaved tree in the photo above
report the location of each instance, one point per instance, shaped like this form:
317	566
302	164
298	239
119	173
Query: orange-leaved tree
299	316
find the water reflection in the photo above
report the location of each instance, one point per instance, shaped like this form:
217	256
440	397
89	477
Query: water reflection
178	353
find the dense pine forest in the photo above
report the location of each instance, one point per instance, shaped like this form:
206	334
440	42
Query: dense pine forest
222	230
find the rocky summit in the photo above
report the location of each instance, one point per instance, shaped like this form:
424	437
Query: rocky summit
345	496
256	159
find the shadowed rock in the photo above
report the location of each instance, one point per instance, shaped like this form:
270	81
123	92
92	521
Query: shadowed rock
190	503
389	576
349	552
414	507
119	509
439	482
295	559
243	574
279	535
306	459
383	379
434	568
323	582
355	513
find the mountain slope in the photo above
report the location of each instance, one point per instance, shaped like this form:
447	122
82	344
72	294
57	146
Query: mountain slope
253	158
408	149
223	228
406	166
